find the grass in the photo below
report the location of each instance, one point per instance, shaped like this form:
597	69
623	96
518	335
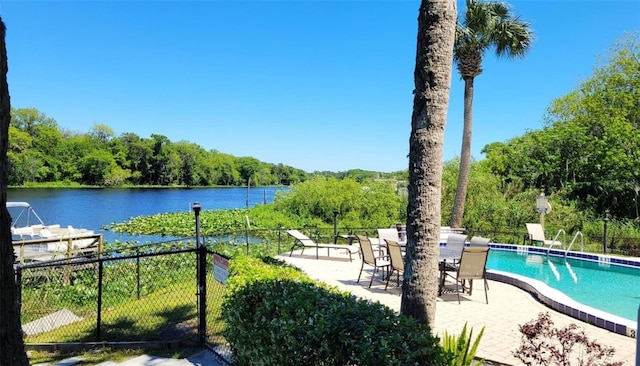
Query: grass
152	317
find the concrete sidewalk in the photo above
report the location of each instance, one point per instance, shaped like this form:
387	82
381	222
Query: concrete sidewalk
508	308
202	358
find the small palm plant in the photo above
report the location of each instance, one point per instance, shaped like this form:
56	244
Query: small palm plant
461	347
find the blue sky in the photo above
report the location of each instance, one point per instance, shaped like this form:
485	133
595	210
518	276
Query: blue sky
317	85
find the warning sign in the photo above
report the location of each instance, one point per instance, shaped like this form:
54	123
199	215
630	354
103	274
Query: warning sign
220	268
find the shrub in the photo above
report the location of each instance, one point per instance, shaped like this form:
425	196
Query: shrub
287	321
542	344
461	347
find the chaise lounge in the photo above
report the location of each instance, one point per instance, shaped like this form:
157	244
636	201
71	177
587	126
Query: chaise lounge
535	234
304	241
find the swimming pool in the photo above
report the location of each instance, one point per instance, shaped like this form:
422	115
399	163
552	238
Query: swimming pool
605	290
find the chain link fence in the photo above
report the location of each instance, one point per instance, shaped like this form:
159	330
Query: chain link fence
144	295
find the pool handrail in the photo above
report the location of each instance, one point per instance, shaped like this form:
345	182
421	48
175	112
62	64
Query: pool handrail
573	240
555	240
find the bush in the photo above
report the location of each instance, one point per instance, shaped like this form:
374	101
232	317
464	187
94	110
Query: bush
542	344
289	321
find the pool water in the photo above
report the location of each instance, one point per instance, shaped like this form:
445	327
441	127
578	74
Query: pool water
611	288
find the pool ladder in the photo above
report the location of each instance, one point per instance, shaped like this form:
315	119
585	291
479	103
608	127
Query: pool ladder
578	234
555	240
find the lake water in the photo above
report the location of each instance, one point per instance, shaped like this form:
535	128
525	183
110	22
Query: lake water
93	208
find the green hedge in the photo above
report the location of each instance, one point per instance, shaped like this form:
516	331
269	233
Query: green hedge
275	315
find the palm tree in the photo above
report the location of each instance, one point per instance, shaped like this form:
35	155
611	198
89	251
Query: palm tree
11	342
432	77
485	25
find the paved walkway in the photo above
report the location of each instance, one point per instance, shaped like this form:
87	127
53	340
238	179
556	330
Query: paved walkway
508	308
202	358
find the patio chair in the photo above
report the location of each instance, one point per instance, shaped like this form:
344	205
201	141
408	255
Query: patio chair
472	266
369	258
383	235
535	234
444	233
456	242
478	241
396	258
304	241
388	233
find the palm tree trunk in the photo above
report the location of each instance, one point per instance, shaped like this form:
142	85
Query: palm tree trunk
465	157
432	76
11	343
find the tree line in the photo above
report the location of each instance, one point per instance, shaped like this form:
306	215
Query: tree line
40	151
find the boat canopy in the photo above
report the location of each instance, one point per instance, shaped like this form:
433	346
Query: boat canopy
18	204
24	216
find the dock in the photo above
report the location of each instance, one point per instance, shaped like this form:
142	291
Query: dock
47	249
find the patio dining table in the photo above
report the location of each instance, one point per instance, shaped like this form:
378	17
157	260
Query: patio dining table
447	261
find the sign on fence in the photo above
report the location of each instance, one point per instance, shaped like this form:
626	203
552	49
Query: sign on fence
220	268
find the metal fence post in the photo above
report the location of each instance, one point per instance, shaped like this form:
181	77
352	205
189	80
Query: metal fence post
19	285
606	232
99	315
279	239
335	226
202	277
138	271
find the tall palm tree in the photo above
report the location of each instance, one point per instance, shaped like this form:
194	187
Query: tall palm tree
11	343
484	25
432	77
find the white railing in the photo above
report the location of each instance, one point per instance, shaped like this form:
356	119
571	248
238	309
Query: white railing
555	240
573	241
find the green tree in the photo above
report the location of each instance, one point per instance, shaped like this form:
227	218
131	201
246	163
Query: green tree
432	78
224	170
11	342
600	123
372	204
139	155
248	167
101	133
97	166
37	160
160	160
484	25
22	166
589	148
71	151
27	120
192	158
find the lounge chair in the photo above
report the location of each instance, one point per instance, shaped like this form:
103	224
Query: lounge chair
304	241
535	234
472	266
478	241
368	257
396	258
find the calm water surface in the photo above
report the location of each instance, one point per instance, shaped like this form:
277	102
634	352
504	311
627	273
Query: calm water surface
614	289
93	208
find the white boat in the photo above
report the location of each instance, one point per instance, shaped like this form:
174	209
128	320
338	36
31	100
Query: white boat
33	238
